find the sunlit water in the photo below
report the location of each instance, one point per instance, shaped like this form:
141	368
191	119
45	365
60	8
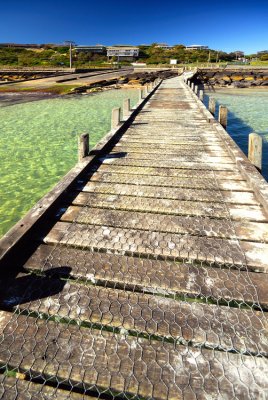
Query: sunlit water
38	144
247	113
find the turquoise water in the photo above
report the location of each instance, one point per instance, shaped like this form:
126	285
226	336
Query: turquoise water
38	144
247	113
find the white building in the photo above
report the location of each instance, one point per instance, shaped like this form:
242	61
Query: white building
122	52
98	49
196	47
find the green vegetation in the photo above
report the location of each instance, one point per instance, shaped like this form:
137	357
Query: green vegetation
156	55
259	63
48	56
52	56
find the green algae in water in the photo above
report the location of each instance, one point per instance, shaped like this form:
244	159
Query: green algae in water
38	145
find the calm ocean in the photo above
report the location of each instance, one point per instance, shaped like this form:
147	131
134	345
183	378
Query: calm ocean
247	113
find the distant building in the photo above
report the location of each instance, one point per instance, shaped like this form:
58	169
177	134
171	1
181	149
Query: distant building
164	46
260	53
196	47
122	52
96	49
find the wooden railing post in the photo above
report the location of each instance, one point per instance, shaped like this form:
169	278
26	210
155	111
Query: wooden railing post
212	105
223	112
126	107
115	117
255	150
201	95
83	146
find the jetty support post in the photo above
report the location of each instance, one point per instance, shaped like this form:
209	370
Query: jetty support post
83	146
140	94
126	108
192	85
255	150
201	95
196	90
212	105
115	117
223	112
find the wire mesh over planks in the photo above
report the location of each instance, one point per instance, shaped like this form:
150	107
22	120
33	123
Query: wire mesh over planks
152	282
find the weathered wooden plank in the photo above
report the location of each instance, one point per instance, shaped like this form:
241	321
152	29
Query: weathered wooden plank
187	140
207	325
174	246
153	186
152	275
172	207
106	360
169	164
133	151
171	134
202	158
205	147
199	226
12	388
169	172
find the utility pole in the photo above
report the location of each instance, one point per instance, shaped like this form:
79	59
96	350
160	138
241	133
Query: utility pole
70	42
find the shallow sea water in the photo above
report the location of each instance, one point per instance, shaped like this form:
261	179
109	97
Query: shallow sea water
247	113
38	144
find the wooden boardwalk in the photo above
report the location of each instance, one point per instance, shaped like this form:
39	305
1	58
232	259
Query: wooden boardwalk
150	280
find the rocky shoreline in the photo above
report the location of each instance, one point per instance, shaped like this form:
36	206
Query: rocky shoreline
232	78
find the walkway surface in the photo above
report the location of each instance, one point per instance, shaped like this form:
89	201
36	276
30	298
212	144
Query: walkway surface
152	283
66	79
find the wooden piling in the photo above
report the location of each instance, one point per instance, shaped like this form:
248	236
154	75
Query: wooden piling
223	112
201	95
126	107
115	117
212	105
83	146
192	85
255	150
196	90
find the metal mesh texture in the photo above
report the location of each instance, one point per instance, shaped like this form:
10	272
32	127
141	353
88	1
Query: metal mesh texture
152	283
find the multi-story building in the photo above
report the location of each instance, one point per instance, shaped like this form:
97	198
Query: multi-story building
123	52
196	47
96	49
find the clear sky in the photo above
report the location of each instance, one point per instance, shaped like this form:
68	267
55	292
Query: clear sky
222	25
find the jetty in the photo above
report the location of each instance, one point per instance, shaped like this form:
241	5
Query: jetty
143	273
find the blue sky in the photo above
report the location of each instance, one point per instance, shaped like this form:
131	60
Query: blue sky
222	25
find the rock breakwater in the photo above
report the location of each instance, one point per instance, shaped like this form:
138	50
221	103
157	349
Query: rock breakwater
234	78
